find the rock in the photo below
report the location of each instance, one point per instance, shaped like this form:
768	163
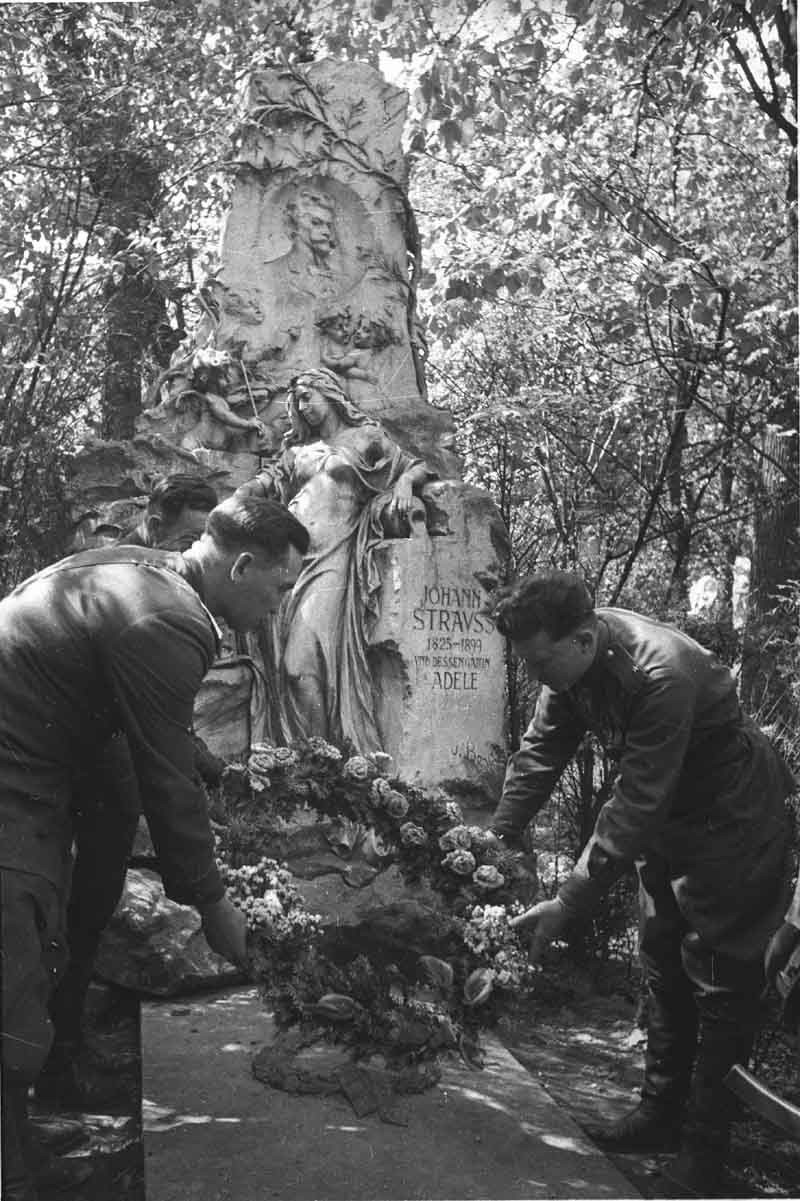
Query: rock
156	947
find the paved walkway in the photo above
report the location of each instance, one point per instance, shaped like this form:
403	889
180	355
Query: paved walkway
214	1133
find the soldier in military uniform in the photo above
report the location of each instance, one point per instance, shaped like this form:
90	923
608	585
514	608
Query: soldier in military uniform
697	805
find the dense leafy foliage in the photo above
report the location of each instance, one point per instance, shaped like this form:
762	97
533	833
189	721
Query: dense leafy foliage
606	196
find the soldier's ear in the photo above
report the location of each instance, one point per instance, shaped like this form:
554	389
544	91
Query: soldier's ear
240	565
586	638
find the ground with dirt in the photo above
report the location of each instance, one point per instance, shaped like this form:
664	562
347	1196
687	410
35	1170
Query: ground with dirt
580	1039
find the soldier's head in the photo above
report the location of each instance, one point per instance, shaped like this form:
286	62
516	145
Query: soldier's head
550	620
249	556
176	512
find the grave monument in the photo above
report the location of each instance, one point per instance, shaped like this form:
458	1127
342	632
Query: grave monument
385	644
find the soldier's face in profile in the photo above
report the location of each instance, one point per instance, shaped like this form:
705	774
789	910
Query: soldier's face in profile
557	662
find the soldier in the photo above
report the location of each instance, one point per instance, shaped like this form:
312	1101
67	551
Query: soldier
113	639
176	513
697	805
107	810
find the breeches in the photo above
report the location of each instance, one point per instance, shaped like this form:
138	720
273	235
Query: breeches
32	957
703	1004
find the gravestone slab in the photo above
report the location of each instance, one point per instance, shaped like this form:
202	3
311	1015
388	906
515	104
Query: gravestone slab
214	1133
447	721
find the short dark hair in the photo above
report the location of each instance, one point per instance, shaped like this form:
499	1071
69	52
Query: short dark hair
243	522
553	601
174	493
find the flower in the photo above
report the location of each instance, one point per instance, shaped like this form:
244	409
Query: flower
261	759
380	789
412	836
487	876
454	814
461	862
395	804
284	757
482	840
356	768
457	838
323	750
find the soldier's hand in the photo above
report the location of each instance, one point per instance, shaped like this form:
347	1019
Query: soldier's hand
779	948
544	922
225	929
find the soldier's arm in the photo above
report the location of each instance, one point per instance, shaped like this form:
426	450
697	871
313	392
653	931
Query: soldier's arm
656	743
155	667
532	772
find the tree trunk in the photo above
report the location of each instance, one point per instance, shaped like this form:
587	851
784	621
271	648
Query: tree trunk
134	305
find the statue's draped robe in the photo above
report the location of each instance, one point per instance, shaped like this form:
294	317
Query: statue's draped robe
340	490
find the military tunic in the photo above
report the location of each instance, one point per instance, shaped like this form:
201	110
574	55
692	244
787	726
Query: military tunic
698	786
105	641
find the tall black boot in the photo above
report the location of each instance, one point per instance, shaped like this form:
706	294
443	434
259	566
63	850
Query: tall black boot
729	1015
655	1124
17	1183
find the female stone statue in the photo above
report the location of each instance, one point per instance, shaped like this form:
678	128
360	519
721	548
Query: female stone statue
351	486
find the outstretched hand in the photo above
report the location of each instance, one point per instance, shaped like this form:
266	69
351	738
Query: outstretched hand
544	921
225	929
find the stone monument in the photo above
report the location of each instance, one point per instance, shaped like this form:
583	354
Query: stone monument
385	644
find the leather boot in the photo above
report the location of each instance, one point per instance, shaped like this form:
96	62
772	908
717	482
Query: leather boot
55	1173
650	1127
16	1183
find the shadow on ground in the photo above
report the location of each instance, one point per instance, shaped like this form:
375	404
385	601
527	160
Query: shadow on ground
586	1050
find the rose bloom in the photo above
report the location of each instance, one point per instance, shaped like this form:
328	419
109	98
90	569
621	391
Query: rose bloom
395	804
488	876
412	836
324	750
457	838
357	768
381	788
461	862
284	756
261	761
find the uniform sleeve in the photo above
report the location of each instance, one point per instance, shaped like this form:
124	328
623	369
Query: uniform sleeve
156	667
656	743
547	746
